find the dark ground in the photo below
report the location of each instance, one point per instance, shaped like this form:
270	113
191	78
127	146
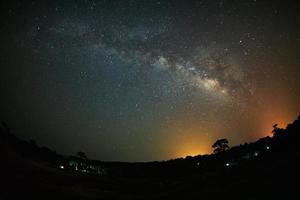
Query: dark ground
274	174
22	177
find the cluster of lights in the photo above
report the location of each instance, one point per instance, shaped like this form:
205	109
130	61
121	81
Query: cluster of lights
198	163
228	164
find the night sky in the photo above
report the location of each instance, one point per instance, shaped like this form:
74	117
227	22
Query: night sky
148	80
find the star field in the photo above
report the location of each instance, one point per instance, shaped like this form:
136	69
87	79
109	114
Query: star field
148	80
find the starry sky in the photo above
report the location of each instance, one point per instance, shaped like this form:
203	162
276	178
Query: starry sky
148	80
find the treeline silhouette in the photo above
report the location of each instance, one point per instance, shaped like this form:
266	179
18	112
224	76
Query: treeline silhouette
265	169
284	141
29	148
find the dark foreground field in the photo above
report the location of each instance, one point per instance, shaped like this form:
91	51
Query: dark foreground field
273	174
267	180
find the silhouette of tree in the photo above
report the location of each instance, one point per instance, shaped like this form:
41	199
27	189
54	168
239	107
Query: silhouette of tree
277	131
220	145
81	155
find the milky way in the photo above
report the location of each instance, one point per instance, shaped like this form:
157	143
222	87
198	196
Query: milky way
148	80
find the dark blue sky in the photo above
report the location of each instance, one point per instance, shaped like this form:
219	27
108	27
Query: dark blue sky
148	80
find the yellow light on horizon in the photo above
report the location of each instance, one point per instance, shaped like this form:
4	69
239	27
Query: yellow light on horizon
185	136
191	144
192	152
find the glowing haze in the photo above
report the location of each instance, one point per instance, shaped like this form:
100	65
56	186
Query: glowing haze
148	80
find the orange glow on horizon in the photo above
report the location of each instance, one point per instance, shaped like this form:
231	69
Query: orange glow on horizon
268	120
186	138
190	145
191	151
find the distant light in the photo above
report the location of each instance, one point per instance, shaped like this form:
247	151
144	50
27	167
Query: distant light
256	154
267	147
227	164
61	166
198	163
